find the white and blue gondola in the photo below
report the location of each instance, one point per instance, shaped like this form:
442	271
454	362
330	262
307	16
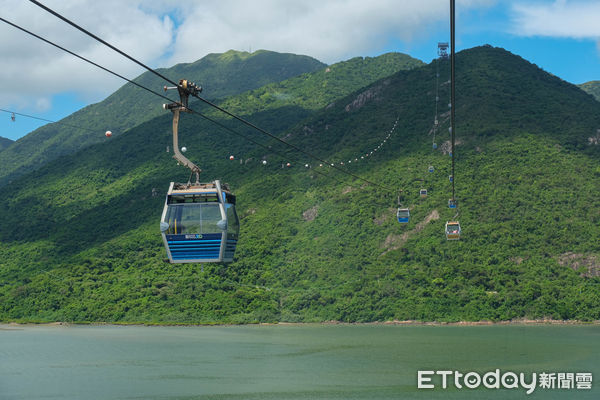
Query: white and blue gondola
403	215
199	223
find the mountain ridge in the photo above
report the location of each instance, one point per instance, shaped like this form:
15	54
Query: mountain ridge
111	113
248	72
83	243
591	87
5	142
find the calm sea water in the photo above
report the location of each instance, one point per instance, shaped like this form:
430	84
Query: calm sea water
285	362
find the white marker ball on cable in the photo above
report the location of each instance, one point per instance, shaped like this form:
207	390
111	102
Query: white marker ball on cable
108	134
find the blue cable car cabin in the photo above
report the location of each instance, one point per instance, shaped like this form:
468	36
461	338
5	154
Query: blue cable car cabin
199	223
403	215
430	169
451	203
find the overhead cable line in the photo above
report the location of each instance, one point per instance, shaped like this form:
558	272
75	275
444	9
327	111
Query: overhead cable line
46	120
452	88
144	88
240	119
29	116
84	59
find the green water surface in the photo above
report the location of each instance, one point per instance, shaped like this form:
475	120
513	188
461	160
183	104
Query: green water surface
285	362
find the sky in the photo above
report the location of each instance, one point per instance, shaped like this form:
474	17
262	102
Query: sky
560	36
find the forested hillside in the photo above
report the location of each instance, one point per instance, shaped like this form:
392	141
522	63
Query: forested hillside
223	74
220	75
4	142
592	87
80	242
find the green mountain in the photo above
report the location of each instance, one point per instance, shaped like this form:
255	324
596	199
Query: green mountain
82	242
221	75
5	142
592	87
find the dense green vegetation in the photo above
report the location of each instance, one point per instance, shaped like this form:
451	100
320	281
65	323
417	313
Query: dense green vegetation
4	143
80	240
220	74
592	87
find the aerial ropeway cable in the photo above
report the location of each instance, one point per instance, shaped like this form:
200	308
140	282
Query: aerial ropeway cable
453	229
215	122
13	118
357	157
240	119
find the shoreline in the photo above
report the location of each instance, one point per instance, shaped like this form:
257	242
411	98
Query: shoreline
525	322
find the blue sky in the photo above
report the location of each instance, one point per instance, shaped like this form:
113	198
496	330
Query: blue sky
562	37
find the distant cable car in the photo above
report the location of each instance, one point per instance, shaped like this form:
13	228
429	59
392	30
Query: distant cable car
452	230
435	146
231	157
403	215
430	169
450	178
452	203
12	117
423	193
199	223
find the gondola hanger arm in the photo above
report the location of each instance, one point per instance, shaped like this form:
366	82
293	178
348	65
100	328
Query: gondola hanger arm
185	88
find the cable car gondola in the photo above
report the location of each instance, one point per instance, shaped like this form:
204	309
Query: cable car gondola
451	203
452	230
423	193
199	223
403	215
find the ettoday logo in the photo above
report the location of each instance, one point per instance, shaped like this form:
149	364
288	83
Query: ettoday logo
505	380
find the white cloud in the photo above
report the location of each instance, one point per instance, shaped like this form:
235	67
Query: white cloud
29	67
330	30
578	19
